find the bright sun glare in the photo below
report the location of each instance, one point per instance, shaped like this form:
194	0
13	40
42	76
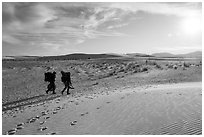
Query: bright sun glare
191	25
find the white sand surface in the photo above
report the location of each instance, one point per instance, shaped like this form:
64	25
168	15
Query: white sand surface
153	109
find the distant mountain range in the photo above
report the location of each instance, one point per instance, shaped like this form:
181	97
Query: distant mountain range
196	54
138	55
163	54
75	56
79	56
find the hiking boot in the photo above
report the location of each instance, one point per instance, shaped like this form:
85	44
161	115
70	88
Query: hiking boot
71	87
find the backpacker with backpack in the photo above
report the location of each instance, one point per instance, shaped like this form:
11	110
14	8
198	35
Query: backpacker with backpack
49	76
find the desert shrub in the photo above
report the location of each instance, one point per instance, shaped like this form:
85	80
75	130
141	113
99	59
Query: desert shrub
197	65
144	69
158	66
170	66
111	73
77	71
126	68
152	63
131	66
136	70
121	70
184	68
95	83
137	65
186	65
175	66
92	66
110	67
104	67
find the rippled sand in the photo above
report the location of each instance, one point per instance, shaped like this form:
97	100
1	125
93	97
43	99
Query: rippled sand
154	109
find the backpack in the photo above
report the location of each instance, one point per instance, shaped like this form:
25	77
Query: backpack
49	76
65	76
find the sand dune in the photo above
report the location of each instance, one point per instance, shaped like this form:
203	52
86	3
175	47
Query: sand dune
153	109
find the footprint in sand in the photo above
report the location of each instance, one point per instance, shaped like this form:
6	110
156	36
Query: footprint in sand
44	113
42	122
37	117
82	101
12	131
82	114
43	128
58	108
32	120
57	101
73	123
53	133
19	126
47	117
29	106
54	112
76	103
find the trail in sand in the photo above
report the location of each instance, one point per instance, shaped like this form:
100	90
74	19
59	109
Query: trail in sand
153	109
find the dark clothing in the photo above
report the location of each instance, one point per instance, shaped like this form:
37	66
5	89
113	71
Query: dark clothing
51	87
66	79
50	77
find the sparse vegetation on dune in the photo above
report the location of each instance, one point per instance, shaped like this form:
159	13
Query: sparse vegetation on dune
24	79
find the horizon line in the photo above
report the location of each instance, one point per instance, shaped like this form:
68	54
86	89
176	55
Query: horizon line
100	53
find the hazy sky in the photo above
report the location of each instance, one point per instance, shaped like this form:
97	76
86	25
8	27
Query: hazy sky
64	28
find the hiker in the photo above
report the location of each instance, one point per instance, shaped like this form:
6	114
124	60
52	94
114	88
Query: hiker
50	77
146	62
66	79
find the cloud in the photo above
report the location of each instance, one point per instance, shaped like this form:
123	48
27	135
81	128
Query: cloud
53	21
177	50
170	35
51	46
10	39
66	24
178	9
117	26
100	16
